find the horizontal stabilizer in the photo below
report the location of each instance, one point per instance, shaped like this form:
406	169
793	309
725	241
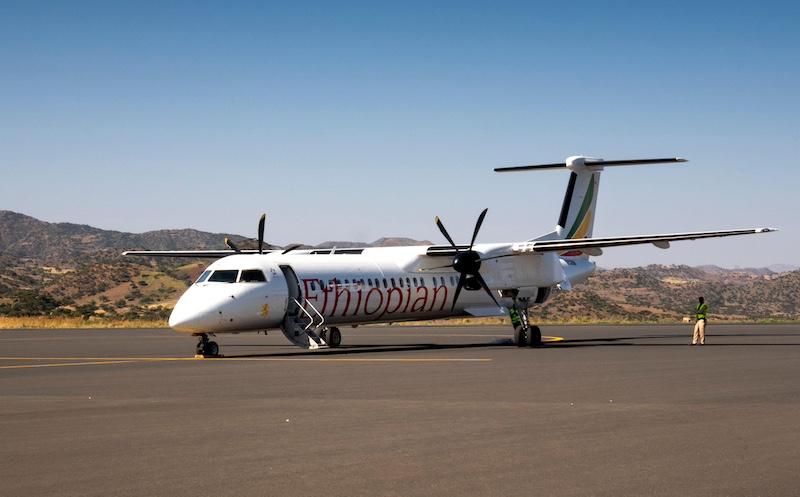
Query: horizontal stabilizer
591	163
661	241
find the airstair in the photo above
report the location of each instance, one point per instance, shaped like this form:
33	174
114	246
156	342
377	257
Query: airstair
301	326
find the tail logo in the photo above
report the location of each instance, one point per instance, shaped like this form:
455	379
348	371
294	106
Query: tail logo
584	218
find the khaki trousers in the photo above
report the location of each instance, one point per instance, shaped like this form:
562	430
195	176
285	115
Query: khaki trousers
699	332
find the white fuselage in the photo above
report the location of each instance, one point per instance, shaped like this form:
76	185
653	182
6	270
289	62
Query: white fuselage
356	286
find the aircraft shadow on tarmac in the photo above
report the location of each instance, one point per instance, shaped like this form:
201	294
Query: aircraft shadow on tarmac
626	341
370	349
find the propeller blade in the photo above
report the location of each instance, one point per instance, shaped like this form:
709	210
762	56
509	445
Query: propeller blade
231	245
461	280
486	287
261	233
444	231
291	248
477	227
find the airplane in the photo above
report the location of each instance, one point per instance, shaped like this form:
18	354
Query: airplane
310	293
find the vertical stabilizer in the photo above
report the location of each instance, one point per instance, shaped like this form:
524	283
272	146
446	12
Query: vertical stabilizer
578	210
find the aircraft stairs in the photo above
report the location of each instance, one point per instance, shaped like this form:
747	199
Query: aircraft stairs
301	326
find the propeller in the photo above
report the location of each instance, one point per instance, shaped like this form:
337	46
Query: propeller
232	245
261	223
286	251
261	233
467	262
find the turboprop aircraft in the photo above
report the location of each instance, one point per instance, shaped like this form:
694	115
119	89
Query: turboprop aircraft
309	294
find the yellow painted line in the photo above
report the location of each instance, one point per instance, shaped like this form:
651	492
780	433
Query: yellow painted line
552	339
353	359
55	365
115	360
96	358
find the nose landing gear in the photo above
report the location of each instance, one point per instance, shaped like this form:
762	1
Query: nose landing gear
206	347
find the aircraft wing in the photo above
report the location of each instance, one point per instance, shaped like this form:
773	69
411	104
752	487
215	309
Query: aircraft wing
591	246
208	254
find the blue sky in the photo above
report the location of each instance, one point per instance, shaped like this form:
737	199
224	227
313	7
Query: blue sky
359	120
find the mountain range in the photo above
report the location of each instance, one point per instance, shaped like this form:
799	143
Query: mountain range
52	268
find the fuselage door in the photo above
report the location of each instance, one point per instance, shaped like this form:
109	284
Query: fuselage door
295	293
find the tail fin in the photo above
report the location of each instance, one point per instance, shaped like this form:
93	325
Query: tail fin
578	210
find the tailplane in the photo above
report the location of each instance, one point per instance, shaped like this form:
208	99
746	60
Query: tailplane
578	210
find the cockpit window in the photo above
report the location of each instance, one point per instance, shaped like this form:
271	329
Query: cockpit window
224	276
203	277
252	275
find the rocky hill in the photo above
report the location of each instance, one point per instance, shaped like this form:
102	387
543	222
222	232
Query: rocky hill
48	268
668	293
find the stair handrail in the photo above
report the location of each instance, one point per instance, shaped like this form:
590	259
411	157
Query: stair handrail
321	317
310	318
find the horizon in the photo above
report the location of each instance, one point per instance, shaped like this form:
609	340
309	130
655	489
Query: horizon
371	119
598	259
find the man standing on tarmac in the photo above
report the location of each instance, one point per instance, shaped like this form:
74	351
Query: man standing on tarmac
700	313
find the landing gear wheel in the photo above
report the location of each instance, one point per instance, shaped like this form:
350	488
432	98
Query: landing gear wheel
211	349
535	337
334	338
520	336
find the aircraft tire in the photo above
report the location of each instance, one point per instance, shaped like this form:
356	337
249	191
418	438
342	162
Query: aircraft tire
520	337
211	349
535	337
334	337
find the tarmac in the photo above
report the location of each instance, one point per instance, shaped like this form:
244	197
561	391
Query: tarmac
405	411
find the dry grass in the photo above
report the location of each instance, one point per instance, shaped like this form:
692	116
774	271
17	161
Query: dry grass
42	322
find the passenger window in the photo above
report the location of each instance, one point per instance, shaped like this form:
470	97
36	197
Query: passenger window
408	282
224	276
422	280
415	283
400	280
252	276
393	282
203	277
385	285
369	281
313	287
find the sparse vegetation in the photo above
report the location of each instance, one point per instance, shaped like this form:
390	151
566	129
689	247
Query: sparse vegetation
66	275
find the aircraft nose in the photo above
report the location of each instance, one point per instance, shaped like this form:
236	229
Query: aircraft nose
187	318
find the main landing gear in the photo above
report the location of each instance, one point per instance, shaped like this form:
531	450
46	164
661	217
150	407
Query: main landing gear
525	334
206	347
332	336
